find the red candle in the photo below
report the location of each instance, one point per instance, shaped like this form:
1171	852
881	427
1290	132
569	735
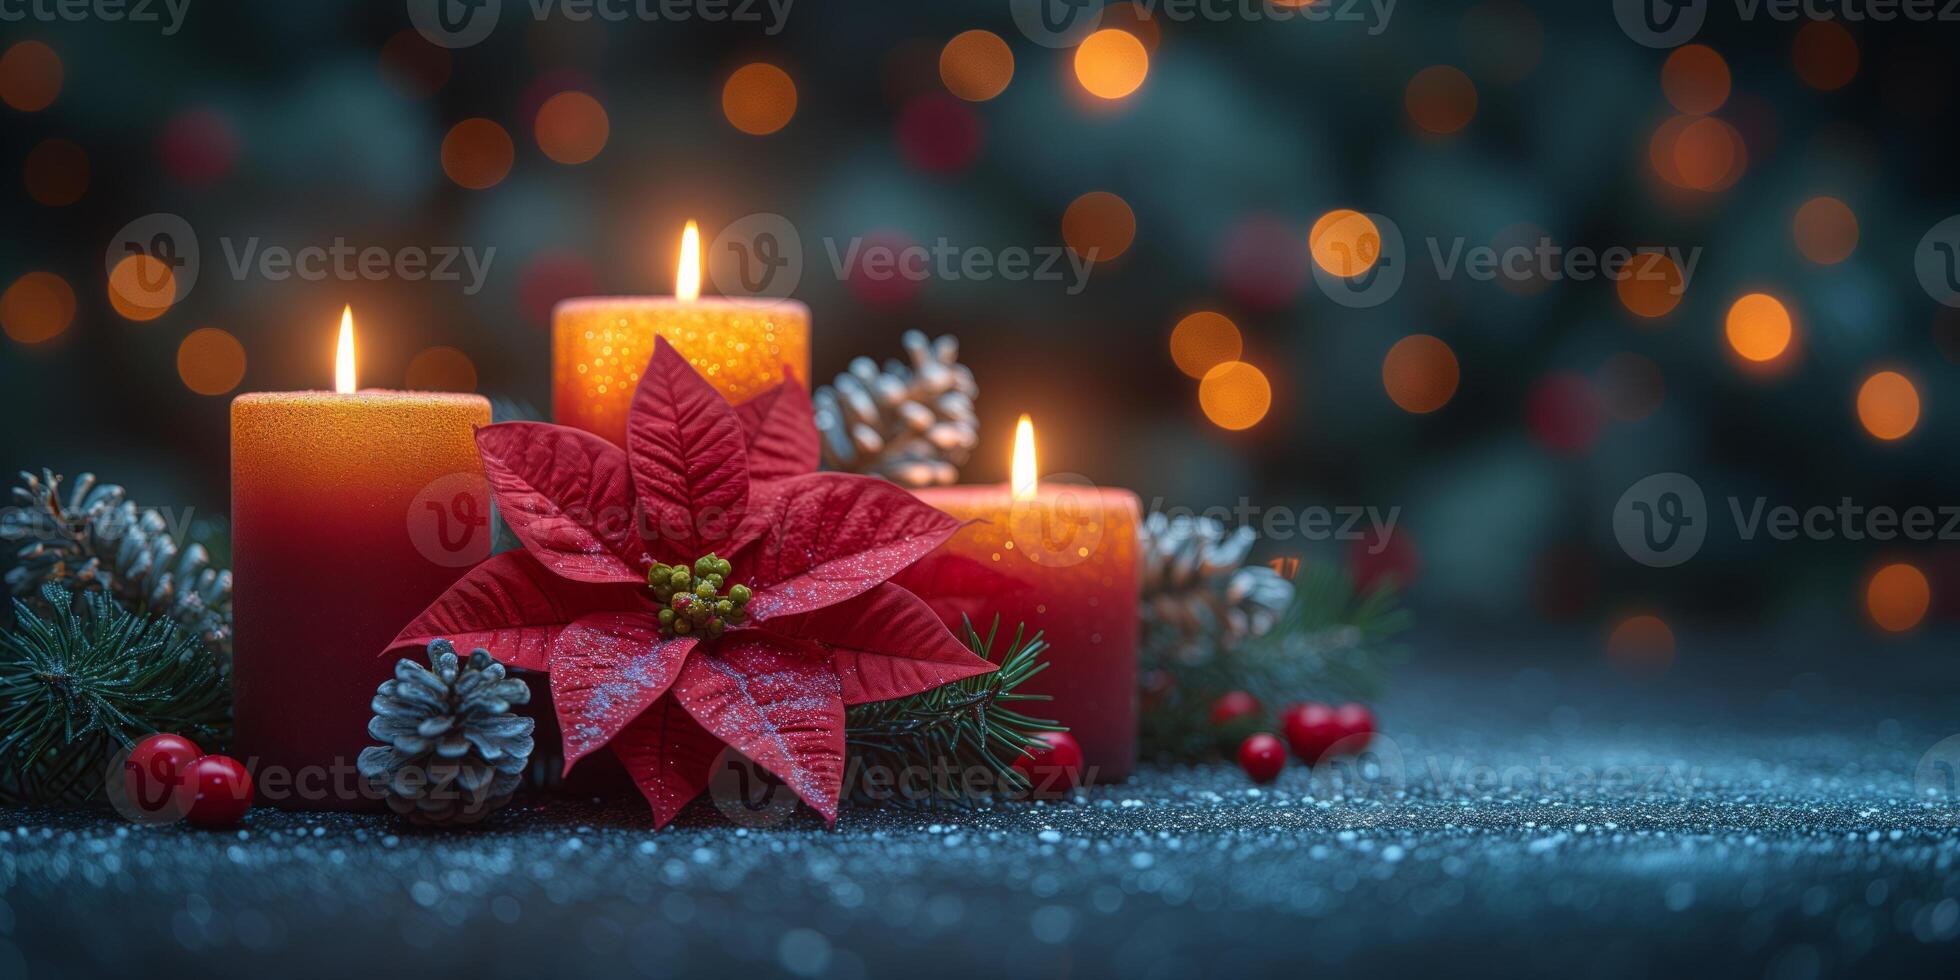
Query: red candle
1062	559
351	512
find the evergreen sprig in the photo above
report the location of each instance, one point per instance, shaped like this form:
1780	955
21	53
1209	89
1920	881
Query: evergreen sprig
1332	643
78	684
957	727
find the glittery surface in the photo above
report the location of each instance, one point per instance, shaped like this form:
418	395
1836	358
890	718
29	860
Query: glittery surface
600	346
1758	821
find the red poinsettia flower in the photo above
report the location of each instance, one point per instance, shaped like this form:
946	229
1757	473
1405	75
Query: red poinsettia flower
823	627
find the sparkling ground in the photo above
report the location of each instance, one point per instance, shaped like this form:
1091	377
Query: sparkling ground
1755	820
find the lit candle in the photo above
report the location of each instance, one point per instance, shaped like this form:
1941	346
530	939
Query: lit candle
600	344
351	512
1061	558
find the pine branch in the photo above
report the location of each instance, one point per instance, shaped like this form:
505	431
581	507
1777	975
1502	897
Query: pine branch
95	538
1331	644
76	686
959	727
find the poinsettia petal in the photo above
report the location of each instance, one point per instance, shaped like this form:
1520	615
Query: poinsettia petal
512	606
781	427
688	458
885	644
958	587
831	536
568	496
606	669
669	755
776	702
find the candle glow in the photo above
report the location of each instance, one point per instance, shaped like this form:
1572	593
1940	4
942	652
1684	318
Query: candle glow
687	279
343	361
1024	475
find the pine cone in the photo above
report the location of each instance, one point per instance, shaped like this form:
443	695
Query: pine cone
1198	594
454	752
913	425
97	539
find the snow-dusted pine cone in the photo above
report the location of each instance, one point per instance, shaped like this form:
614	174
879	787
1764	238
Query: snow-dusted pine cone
94	538
1198	593
911	424
454	753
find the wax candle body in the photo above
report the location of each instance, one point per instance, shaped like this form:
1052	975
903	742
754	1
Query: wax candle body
1064	562
350	514
600	345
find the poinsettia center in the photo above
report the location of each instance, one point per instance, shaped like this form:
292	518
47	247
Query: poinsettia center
693	597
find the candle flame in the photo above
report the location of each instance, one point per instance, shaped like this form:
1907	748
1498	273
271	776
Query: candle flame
343	360
1023	479
687	281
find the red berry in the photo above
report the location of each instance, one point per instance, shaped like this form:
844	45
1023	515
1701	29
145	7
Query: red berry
1262	757
1233	705
1311	730
224	791
1357	725
153	774
1053	767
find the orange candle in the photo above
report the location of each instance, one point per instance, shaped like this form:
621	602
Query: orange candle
351	512
600	344
1060	558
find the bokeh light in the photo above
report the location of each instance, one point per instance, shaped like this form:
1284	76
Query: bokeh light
1826	230
142	287
1344	243
1825	54
198	146
1099	221
441	369
1563	413
1203	341
759	99
1888	405
938	133
1111	63
1709	155
211	361
477	153
572	127
1897	597
1759	328
30	76
1632	386
1695	79
1641	644
1650	285
37	307
1420	373
1235	395
976	65
56	172
1441	99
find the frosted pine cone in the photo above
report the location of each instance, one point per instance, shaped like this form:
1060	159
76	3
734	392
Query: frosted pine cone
454	753
914	424
1199	596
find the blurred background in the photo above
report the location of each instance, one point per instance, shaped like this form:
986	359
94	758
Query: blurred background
1217	349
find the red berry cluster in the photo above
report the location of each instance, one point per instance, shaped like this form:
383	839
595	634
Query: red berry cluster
168	778
1315	731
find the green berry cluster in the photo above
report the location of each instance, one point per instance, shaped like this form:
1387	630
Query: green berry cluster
694	601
